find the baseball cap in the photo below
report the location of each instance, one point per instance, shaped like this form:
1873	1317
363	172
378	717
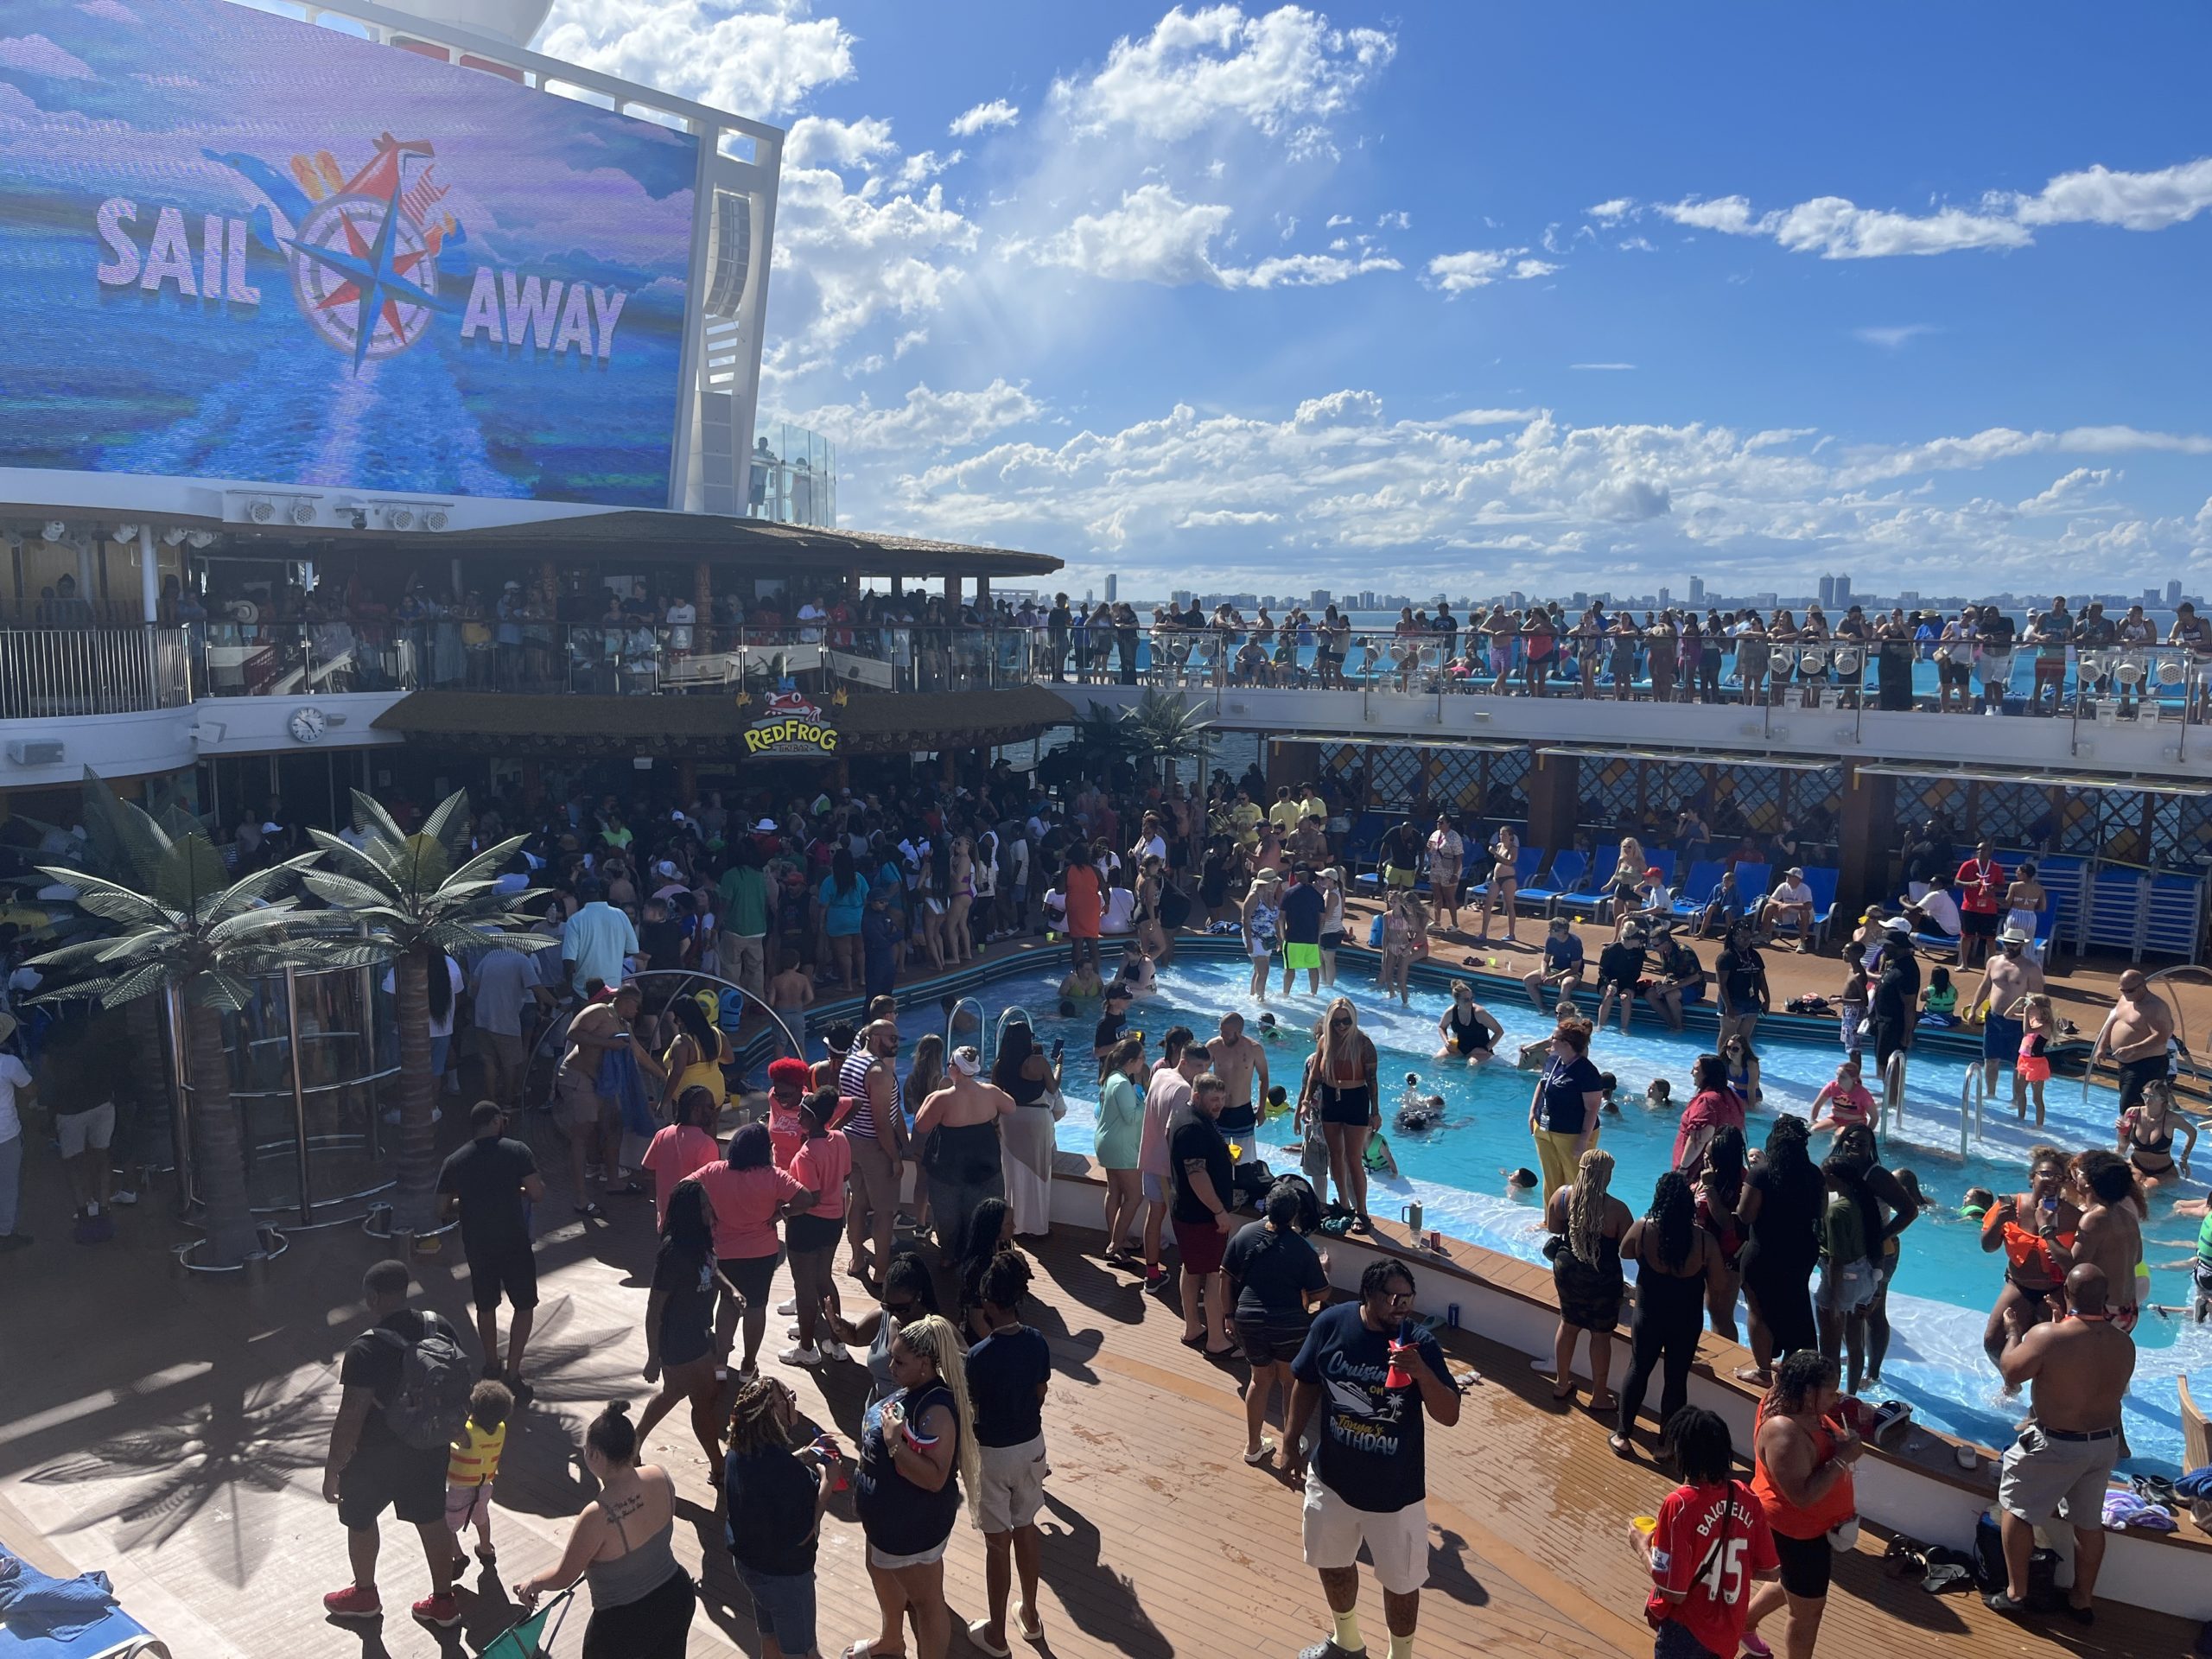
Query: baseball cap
1897	924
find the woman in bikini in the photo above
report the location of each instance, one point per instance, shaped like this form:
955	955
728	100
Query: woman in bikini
1340	1082
2147	1136
2018	1226
1504	881
959	947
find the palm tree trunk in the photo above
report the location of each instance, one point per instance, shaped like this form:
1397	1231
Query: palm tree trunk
232	1235
151	1131
419	1094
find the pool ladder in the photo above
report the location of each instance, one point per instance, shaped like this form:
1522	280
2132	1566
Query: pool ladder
982	1032
1892	1106
1972	1093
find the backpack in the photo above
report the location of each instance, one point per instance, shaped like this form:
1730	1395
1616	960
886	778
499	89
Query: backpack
430	1401
1309	1205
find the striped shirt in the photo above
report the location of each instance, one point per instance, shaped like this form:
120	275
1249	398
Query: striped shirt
852	1080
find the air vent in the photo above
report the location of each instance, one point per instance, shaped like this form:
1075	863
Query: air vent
35	751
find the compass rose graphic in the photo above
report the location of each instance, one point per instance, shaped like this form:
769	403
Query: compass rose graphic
364	275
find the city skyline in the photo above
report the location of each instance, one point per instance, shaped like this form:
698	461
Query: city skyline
1275	293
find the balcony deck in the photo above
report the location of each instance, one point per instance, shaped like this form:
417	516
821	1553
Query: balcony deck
175	1441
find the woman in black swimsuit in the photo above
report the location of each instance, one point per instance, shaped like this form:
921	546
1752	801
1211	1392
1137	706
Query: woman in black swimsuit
1471	1033
1677	1261
1340	1077
2146	1134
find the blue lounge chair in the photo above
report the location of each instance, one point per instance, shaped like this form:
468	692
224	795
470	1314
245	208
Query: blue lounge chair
1568	867
1585	902
1704	877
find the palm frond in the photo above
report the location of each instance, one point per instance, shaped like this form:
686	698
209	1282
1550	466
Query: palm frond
231	993
259	889
371	819
489	862
191	874
127	988
349	893
349	859
447	825
122	839
144	909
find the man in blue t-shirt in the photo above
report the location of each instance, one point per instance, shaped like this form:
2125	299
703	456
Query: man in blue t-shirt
1303	905
1369	1480
1562	966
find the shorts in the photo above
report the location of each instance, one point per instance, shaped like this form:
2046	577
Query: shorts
1295	956
811	1233
884	1563
1396	1540
1155	1188
1996	672
1202	1245
411	1483
2040	1474
783	1607
1848	1290
1352	1108
1010	1485
1807	1564
90	1130
509	1270
2134	1074
1269	1342
1331	942
506	1054
1955	675
2000	1038
577	1103
1260	950
752	1275
1404	879
467	1506
1978	923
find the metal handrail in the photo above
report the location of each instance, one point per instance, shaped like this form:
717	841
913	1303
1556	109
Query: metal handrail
54	672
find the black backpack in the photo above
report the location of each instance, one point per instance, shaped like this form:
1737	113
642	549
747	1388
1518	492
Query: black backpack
1309	1203
431	1401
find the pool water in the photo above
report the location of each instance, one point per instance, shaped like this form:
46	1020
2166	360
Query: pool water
1945	1283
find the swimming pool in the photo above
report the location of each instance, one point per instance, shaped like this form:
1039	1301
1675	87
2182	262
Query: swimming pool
1945	1283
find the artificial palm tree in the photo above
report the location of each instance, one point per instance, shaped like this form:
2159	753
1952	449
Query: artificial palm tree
181	924
1166	728
420	899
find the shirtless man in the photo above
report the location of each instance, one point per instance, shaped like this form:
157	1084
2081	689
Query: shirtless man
592	1121
2006	977
791	993
1242	1065
2023	1225
2134	1036
2110	1237
2080	1366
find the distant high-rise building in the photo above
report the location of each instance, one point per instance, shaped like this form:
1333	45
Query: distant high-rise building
1320	599
1827	591
1113	589
1841	600
1665	599
1697	590
1908	598
1180	598
2173	594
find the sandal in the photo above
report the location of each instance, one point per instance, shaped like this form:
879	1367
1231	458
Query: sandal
1031	1632
866	1650
976	1627
1256	1458
591	1211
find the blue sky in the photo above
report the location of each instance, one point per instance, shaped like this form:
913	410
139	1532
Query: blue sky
1277	297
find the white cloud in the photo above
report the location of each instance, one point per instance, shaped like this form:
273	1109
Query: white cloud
872	364
1609	368
922	165
927	420
1400	220
1286	72
996	113
1895	336
1156	236
754	63
1636	244
1455	273
1335	220
817	139
35	54
908	341
844	258
1307	271
1337	488
1836	228
1153	237
2071	490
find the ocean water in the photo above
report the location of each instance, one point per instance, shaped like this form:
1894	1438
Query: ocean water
1945	1283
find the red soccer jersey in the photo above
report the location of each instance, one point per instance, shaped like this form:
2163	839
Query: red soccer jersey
1711	1542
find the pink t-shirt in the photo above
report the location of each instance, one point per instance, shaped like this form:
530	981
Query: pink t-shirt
1717	1109
1846	1110
1168	1090
745	1201
820	1167
676	1151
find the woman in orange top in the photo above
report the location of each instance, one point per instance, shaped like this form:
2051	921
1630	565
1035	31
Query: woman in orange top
2018	1225
1086	893
1802	1476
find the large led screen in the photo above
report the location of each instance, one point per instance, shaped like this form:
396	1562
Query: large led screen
236	246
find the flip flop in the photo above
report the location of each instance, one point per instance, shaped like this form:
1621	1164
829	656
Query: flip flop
976	1627
1031	1632
1256	1458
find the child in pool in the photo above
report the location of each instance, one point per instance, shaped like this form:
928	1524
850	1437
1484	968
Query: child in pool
1520	1184
1975	1204
1269	1031
1278	1100
1660	1096
1611	1085
2032	1066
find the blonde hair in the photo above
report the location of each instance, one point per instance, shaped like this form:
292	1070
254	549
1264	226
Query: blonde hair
928	1074
1585	1204
1325	1039
933	1338
1632	856
2035	1003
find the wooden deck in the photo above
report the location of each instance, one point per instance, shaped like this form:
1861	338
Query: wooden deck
171	1431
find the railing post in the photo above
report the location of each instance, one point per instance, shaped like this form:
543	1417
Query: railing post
299	1097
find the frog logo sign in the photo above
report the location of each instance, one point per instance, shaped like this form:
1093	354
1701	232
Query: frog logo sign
790	724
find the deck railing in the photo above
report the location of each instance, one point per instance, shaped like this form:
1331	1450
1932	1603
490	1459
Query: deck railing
52	673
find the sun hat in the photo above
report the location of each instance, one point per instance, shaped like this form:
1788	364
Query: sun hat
1897	924
2015	934
766	827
